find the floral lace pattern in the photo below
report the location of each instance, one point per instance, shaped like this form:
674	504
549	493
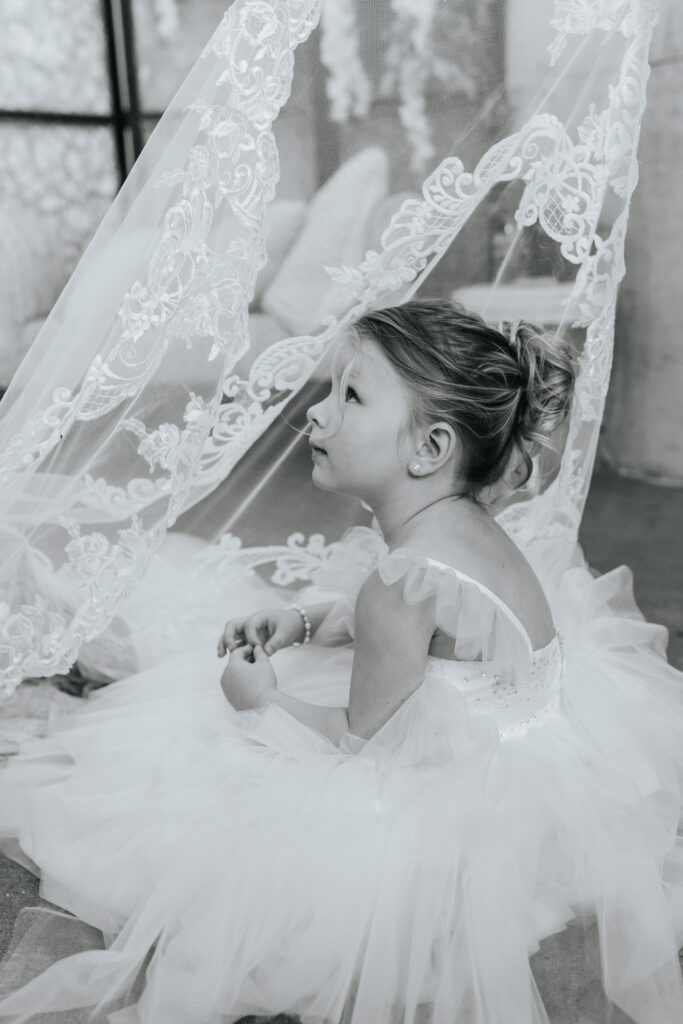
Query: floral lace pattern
198	275
610	140
195	291
581	17
296	560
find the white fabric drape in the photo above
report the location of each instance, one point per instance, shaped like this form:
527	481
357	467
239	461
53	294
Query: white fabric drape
129	408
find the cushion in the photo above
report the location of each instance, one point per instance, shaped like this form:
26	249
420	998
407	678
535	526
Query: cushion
334	234
282	221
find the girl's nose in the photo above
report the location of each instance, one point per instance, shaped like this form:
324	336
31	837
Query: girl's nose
324	414
314	414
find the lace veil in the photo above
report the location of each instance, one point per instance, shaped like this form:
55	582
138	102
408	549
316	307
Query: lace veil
150	401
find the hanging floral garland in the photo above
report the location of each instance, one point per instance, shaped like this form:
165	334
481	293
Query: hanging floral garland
423	40
348	86
426	39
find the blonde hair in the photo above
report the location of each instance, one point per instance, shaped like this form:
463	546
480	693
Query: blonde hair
500	389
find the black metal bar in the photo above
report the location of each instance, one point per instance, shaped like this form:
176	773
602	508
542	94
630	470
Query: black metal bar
49	117
57	117
126	117
130	58
118	113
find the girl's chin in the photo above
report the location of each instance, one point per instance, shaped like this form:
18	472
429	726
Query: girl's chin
319	477
326	482
322	482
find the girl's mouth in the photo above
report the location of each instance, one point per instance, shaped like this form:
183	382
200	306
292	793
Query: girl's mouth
317	450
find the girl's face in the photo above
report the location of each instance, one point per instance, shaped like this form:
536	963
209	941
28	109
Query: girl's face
359	438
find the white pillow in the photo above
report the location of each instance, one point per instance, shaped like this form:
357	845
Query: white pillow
334	235
282	221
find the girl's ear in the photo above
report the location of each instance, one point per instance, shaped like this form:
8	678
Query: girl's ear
437	447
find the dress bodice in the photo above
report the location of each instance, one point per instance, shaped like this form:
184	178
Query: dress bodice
491	688
493	664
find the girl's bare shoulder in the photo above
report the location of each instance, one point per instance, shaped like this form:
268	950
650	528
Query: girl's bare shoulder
477	546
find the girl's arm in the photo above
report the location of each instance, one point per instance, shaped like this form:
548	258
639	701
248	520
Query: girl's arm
317	612
331	722
391	643
390	654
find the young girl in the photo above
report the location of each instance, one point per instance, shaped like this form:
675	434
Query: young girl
380	832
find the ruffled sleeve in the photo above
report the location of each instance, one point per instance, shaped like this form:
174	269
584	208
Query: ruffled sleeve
480	625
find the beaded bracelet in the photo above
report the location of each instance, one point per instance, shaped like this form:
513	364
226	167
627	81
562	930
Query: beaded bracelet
307	625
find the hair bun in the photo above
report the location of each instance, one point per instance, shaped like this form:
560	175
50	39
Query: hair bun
545	365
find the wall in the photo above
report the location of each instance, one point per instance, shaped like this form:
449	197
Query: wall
643	432
643	427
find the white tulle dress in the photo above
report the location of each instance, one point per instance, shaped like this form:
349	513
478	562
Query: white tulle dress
240	863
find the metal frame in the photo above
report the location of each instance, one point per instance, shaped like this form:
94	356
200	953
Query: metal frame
126	117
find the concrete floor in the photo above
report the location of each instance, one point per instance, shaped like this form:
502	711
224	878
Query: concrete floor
625	522
632	523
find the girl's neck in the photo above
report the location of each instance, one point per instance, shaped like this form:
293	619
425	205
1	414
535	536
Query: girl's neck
399	522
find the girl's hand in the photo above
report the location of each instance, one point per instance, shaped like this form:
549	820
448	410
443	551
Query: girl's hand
245	681
270	630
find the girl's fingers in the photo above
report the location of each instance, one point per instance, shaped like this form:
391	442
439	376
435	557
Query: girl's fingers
243	653
259	630
276	640
254	629
233	636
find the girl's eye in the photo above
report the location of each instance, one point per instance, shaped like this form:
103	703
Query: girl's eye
351	395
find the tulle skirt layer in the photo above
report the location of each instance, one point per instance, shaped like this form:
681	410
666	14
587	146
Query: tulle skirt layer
240	863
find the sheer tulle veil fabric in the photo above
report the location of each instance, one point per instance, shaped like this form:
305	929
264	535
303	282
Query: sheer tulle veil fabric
142	395
211	864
